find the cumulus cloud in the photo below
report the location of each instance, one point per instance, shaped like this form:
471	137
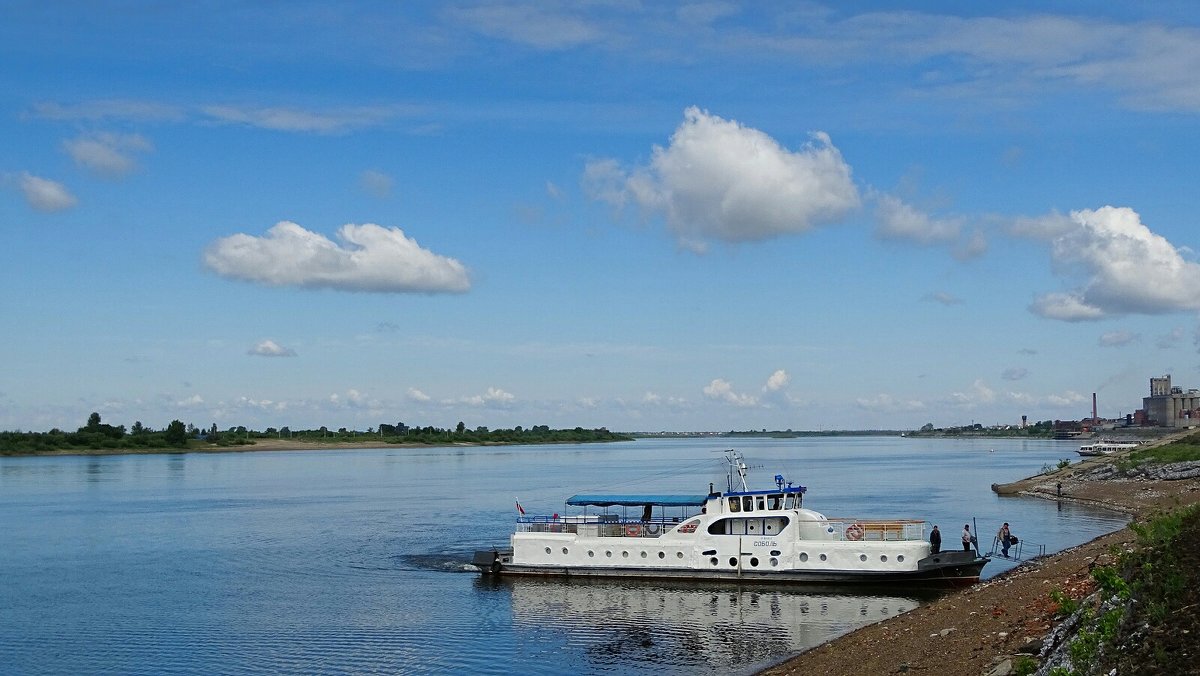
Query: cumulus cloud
43	194
106	154
720	180
1126	267
269	348
777	381
722	390
494	397
417	395
897	219
370	258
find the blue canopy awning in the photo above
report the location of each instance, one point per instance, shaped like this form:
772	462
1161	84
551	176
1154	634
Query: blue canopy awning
637	500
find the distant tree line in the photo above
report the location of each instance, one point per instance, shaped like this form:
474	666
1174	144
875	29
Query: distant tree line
1043	428
97	435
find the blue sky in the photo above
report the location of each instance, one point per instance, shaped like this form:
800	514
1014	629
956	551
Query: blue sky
645	216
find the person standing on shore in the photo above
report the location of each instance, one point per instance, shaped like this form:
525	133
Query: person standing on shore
935	540
966	537
1005	538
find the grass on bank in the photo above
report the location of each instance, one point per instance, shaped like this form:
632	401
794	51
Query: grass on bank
1144	613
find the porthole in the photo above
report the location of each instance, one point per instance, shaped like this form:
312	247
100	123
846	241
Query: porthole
803	557
714	561
679	555
591	553
643	555
733	562
883	558
547	550
774	562
625	555
608	553
900	558
824	557
564	551
662	555
862	557
754	562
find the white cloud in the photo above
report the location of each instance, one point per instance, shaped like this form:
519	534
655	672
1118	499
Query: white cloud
886	403
535	25
494	397
298	120
722	390
897	219
1127	269
1117	338
376	183
373	258
107	154
109	109
978	394
777	381
417	395
269	348
44	194
720	180
190	402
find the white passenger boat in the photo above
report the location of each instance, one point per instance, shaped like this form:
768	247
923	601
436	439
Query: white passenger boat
744	535
1106	447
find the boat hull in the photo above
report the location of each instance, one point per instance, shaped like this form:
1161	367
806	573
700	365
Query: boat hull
944	569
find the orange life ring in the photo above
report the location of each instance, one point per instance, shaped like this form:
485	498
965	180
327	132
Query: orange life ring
854	532
633	530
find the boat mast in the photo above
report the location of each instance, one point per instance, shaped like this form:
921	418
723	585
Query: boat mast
735	464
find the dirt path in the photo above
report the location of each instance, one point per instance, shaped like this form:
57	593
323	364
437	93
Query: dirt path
982	630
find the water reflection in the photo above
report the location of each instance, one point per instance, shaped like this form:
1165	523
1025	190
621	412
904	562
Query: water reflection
706	627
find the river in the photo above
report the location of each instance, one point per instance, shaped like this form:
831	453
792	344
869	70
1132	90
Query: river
354	561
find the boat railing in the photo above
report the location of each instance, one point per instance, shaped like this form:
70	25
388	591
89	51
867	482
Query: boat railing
878	530
603	525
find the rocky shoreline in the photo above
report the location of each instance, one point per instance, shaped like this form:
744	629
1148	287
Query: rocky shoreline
987	628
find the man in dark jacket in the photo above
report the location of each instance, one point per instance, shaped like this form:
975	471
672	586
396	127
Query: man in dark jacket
935	540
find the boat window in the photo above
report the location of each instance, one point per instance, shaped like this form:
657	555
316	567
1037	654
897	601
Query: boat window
747	503
735	505
795	500
775	501
762	503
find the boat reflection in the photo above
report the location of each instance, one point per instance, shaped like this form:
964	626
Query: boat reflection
695	627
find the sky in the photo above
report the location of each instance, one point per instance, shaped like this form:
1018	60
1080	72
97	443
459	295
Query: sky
644	216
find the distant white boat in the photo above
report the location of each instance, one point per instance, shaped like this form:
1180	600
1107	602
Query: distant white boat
1106	447
739	534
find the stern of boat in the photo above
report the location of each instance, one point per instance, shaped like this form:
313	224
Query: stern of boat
492	561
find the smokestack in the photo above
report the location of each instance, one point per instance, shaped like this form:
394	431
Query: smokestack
1094	417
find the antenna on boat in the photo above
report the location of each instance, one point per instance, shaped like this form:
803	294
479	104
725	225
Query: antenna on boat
735	463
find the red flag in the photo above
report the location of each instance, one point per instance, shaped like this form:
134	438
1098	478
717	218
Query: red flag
520	509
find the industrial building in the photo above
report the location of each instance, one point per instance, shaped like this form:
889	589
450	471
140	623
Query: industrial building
1169	406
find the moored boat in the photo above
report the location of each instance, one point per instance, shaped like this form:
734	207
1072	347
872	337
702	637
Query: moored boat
744	535
1106	447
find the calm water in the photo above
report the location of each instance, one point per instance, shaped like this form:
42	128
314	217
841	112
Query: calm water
355	561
